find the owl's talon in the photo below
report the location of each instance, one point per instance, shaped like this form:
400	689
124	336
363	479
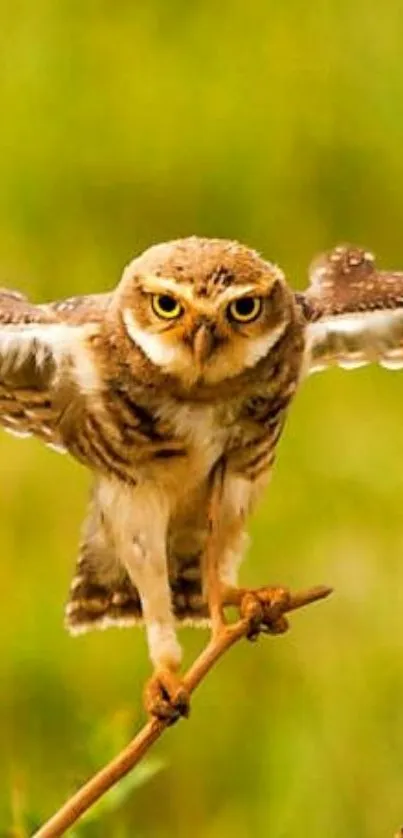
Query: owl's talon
278	626
264	610
165	697
251	609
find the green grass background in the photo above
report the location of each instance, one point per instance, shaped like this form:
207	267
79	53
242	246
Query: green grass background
281	124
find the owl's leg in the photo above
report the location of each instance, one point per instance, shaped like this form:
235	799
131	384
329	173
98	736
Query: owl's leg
232	497
165	695
229	502
140	526
212	587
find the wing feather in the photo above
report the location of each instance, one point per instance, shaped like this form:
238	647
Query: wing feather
43	363
354	312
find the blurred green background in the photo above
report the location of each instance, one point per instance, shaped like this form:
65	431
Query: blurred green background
280	124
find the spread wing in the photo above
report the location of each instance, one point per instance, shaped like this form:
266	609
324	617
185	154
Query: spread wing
44	359
354	312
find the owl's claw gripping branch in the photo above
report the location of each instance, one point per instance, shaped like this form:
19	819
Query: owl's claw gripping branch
166	697
264	609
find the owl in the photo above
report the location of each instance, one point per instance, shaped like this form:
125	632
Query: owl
173	389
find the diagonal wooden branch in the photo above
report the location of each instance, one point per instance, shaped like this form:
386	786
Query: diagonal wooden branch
138	747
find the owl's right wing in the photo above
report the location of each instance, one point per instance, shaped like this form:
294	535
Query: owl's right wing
354	312
44	362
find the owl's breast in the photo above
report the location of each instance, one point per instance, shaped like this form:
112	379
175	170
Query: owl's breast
202	439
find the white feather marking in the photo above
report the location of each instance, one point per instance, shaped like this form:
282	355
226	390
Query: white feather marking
260	347
102	623
20	434
153	346
19	342
356	322
71	607
352	364
11	420
60	449
355	339
43	429
77	581
234	292
86	371
160	284
195	622
106	622
391	363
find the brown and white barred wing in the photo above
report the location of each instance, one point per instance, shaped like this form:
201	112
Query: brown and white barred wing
354	312
39	355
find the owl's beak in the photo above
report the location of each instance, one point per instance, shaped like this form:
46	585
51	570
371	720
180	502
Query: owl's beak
203	343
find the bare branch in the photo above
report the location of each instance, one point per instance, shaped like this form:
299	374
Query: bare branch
138	747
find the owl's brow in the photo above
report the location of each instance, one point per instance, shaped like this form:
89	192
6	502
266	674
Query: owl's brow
153	284
236	291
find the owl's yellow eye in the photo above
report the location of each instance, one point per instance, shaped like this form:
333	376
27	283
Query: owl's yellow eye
166	306
245	309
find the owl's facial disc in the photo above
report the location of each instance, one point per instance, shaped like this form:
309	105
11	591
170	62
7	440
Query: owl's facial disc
198	340
203	310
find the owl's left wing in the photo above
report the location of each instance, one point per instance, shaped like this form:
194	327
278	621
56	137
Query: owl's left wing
354	312
43	361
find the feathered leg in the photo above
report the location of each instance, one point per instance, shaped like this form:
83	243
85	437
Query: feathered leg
231	498
213	553
139	520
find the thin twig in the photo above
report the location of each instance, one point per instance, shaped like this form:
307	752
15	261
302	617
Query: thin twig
130	756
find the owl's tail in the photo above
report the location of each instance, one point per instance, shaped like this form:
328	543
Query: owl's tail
102	594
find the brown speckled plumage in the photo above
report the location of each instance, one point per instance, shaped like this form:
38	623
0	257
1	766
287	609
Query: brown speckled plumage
126	393
356	311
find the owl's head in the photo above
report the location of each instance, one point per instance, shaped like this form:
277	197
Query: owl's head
203	309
